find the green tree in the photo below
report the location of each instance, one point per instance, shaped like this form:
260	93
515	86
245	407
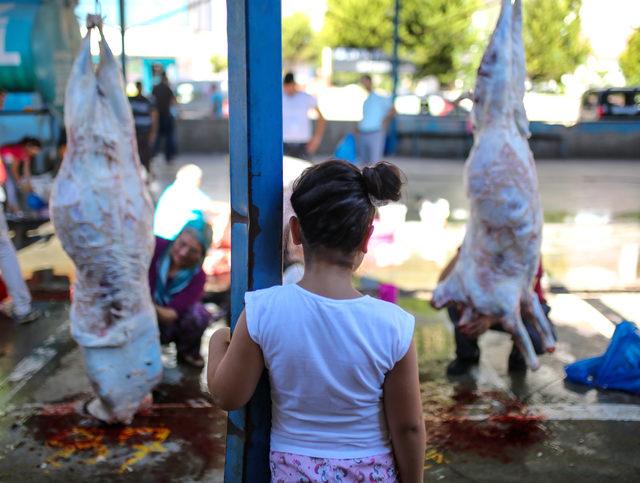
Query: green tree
630	59
362	24
298	40
552	41
218	63
436	35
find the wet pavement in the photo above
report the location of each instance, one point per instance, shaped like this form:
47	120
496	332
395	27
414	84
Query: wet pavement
487	426
42	437
490	425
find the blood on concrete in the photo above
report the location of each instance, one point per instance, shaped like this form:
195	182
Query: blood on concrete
77	439
505	425
157	442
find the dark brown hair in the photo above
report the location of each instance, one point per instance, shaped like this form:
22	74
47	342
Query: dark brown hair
288	78
334	202
30	141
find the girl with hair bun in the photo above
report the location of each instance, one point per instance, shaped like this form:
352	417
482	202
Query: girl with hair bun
342	367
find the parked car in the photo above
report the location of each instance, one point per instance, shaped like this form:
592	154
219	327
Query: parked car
436	105
613	104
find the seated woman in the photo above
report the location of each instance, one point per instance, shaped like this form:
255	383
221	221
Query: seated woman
177	284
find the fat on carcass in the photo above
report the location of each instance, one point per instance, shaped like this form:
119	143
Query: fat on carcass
499	257
102	214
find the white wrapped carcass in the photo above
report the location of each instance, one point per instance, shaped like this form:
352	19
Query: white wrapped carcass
499	257
102	214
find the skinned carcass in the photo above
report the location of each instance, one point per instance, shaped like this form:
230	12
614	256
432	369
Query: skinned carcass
102	214
499	257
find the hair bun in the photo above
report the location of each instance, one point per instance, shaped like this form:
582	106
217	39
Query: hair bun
383	181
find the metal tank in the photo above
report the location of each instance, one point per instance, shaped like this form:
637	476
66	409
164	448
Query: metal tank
38	41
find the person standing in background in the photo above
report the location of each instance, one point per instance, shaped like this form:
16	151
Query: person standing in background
300	140
164	100
216	101
22	311
377	112
146	121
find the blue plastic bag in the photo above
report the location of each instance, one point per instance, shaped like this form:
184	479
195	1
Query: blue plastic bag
35	202
347	149
618	368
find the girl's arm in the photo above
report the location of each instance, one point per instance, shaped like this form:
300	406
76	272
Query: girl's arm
235	366
403	410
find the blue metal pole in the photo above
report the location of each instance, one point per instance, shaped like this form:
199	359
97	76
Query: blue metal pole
255	149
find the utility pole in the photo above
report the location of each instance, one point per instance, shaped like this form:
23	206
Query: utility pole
395	62
123	57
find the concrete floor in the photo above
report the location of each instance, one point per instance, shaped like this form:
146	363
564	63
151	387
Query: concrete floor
488	426
42	438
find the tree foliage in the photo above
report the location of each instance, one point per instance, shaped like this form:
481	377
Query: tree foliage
436	35
362	24
218	63
299	42
552	38
630	59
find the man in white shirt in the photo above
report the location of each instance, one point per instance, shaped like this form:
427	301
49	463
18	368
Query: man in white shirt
377	112
300	140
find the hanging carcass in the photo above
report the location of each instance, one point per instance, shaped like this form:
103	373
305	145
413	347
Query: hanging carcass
499	257
102	214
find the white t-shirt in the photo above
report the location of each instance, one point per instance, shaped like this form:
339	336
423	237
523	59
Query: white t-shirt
293	274
296	125
374	110
327	360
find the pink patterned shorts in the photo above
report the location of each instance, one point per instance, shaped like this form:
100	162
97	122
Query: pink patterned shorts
293	468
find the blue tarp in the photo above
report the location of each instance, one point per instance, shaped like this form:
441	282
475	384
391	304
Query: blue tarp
347	149
618	368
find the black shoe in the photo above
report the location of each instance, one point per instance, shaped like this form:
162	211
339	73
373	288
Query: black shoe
32	315
516	361
458	367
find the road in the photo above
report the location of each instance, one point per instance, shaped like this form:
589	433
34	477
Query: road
567	186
